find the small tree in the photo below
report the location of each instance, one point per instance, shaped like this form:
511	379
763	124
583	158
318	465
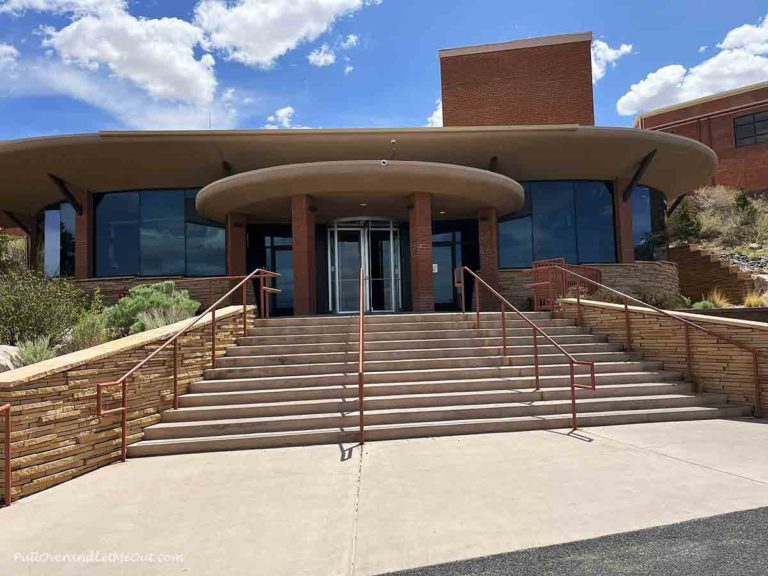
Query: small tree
684	224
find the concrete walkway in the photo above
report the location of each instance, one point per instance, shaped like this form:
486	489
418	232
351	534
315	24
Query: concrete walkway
392	506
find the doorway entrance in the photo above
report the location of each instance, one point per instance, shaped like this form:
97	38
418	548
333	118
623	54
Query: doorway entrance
371	244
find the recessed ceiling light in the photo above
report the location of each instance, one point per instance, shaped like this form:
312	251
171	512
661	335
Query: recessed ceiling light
363	204
442	211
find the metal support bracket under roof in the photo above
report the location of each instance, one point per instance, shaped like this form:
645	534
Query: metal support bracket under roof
675	204
641	168
67	193
19	222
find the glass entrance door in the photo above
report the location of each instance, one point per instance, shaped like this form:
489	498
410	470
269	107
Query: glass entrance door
373	245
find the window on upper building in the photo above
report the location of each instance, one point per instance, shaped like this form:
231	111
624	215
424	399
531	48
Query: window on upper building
751	129
156	233
572	219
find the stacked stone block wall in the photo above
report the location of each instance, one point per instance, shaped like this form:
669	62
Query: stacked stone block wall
56	434
701	272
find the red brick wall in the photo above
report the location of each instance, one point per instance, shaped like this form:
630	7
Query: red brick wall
709	123
488	241
420	219
550	84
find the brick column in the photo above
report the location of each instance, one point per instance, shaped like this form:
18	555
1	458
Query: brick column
84	236
304	274
625	249
420	220
236	231
488	242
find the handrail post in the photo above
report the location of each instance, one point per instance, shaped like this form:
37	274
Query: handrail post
536	357
627	325
7	495
176	374
688	358
261	296
574	423
503	329
477	305
213	338
361	359
124	422
758	391
578	303
210	291
245	309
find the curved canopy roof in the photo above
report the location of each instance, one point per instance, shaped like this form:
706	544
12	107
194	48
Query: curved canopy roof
379	187
109	161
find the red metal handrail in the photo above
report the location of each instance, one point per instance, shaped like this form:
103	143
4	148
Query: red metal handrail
460	283
123	381
686	323
361	358
7	495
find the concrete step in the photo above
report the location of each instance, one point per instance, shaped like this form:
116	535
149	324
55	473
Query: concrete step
345	400
389	376
421	334
254	391
309	347
426	413
352	319
405	354
428	429
372	366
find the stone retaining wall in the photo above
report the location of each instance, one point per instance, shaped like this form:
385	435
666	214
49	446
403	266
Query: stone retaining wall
622	277
701	272
717	365
56	433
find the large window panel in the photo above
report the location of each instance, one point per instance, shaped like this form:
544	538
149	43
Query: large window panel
648	223
117	234
162	236
206	252
515	243
554	220
594	222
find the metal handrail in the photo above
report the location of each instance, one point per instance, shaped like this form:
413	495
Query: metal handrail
7	496
459	283
687	324
123	380
361	358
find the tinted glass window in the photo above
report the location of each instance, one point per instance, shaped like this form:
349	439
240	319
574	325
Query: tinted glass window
594	222
515	243
156	233
648	223
554	220
51	242
162	233
117	234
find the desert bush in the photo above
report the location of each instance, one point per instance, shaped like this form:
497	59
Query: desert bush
684	224
91	330
12	253
704	305
658	297
123	317
34	351
719	299
158	317
753	300
32	306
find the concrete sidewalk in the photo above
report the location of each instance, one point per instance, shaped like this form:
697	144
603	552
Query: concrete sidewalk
393	505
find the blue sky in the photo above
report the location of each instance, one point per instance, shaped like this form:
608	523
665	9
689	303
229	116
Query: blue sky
86	65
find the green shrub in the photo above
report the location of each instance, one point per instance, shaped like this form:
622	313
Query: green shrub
123	317
684	224
157	317
32	306
91	330
12	253
660	298
34	351
704	305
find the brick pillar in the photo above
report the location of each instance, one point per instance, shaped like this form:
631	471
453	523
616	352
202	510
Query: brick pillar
84	236
420	220
625	249
488	241
304	273
236	231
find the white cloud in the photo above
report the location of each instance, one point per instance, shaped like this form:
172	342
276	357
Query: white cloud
702	49
157	55
603	56
436	118
350	41
8	57
741	60
256	32
323	56
348	69
282	118
78	7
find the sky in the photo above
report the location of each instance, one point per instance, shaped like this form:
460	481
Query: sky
72	66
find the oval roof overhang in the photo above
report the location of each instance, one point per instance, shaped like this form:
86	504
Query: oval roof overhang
360	187
110	161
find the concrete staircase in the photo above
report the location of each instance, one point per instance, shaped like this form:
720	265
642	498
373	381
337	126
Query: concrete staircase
293	381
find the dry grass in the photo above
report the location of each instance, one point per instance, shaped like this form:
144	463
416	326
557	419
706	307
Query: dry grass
753	300
719	299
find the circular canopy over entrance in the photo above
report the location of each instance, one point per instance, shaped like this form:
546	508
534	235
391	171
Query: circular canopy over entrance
360	188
